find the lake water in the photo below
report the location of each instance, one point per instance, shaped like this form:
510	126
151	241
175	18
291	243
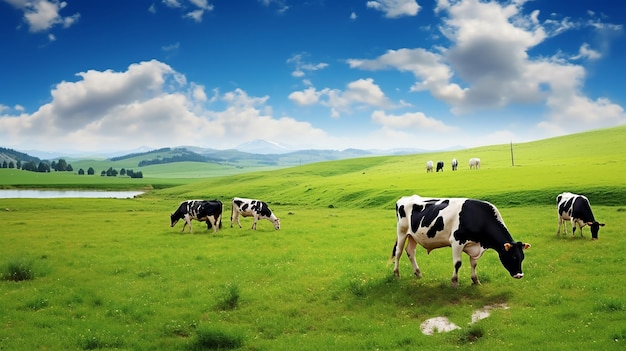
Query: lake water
56	194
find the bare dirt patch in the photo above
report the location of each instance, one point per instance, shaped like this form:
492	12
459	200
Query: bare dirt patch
444	325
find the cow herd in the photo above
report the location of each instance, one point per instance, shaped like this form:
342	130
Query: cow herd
210	211
474	163
473	226
466	225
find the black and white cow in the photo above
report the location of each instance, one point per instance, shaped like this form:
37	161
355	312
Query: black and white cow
439	166
252	208
455	164
576	209
200	210
467	225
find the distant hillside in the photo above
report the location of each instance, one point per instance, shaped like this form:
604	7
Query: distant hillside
13	155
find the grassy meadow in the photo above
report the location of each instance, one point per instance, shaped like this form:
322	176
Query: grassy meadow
112	274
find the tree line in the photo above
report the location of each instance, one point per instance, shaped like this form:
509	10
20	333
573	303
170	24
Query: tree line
62	166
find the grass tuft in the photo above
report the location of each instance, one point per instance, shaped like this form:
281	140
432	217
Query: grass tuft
471	335
213	338
230	299
18	269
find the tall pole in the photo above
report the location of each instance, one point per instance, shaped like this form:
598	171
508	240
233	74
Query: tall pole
512	160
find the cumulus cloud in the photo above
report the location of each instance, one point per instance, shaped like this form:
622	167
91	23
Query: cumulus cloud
149	103
42	15
395	8
488	65
359	94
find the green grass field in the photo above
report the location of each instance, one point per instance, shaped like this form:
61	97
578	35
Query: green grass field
116	276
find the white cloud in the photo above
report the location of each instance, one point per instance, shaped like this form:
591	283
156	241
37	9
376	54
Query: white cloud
42	15
395	8
359	94
488	65
172	3
308	96
586	53
196	15
410	121
302	67
147	104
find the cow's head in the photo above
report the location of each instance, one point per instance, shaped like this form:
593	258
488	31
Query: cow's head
276	222
174	219
595	228
512	257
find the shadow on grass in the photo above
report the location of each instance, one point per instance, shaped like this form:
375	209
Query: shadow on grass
432	296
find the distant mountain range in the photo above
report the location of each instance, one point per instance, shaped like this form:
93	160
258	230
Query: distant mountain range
256	152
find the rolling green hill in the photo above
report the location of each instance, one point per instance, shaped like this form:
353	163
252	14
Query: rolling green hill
586	163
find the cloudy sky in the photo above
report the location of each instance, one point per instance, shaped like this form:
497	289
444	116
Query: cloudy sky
104	75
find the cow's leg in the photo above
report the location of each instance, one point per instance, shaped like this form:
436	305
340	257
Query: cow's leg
410	252
256	219
218	223
456	261
211	219
474	263
401	240
558	230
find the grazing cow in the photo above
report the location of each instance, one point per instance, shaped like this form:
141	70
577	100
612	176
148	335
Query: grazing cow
252	208
200	210
577	210
455	164
474	163
439	166
429	166
467	225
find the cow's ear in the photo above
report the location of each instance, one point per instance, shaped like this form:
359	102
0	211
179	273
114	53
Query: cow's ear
507	246
589	223
526	246
601	224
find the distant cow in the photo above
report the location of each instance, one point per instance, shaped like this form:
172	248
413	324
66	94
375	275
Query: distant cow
455	164
439	166
429	166
467	225
577	210
252	208
200	210
474	163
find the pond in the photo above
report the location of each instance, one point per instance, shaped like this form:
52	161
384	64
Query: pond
57	194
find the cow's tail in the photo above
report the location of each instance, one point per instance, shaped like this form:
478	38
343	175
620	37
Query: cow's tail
219	224
393	252
232	212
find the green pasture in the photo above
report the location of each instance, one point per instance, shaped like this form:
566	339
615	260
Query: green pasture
112	274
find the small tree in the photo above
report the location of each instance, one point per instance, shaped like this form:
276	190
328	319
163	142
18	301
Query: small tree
91	171
11	164
81	172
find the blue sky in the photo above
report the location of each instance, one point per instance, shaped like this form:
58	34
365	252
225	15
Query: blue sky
380	74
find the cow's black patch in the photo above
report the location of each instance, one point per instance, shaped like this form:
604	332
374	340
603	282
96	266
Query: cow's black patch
400	211
261	208
479	222
437	227
425	215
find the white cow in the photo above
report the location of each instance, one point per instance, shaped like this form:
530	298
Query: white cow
474	163
429	166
